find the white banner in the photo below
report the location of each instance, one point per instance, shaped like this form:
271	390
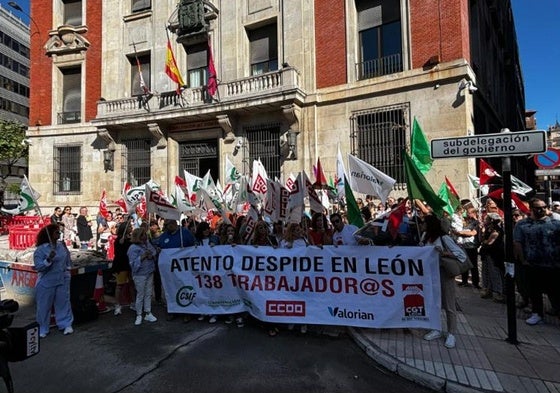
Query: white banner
376	287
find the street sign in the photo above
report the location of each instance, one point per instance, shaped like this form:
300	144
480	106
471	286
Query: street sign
504	144
549	159
547	172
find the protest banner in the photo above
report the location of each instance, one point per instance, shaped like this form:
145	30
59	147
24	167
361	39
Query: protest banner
381	287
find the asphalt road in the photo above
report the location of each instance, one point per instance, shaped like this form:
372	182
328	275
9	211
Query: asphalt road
112	355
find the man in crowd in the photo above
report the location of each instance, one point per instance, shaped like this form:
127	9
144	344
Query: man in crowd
536	242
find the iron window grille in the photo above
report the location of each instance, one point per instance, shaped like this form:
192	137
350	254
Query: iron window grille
194	155
264	144
137	163
67	169
378	137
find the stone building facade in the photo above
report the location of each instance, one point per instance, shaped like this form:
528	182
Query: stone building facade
296	81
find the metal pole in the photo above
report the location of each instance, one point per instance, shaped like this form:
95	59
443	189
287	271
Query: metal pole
508	243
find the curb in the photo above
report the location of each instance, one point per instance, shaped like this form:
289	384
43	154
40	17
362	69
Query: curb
404	370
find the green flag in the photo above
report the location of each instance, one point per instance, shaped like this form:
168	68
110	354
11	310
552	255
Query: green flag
420	149
451	200
419	188
352	210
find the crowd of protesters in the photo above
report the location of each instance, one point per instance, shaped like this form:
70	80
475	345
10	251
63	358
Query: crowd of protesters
475	233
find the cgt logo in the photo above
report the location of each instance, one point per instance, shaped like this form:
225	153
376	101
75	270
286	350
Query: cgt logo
285	308
185	296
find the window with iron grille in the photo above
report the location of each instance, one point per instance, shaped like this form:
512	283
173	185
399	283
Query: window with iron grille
67	169
263	48
264	143
379	137
199	157
137	161
380	40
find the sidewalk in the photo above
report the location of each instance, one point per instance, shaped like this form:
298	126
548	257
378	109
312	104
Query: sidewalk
482	359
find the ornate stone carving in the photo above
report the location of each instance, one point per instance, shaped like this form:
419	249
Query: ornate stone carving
67	39
225	122
158	135
106	137
291	114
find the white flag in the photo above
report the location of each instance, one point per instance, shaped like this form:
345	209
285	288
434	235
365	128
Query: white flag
368	180
519	187
295	201
158	204
193	185
258	180
340	174
232	174
27	198
183	204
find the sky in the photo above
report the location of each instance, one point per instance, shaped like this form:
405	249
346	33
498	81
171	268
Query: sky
538	37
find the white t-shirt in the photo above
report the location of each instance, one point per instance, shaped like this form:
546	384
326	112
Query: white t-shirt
346	236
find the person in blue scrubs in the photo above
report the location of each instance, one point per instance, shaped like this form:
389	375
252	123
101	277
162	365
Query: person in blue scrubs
52	262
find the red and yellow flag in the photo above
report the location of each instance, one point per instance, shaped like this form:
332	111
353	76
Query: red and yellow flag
171	66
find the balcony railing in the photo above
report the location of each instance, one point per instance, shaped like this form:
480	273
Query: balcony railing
379	67
272	85
69	117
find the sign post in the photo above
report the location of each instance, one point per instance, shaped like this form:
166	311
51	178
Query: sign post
504	144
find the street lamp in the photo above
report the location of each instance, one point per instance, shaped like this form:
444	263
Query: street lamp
17	7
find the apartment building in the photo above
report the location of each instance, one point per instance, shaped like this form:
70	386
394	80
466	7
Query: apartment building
14	92
294	81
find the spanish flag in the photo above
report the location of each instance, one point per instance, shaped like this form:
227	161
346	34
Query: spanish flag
171	67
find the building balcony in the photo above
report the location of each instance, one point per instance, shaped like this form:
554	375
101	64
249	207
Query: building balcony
379	67
272	89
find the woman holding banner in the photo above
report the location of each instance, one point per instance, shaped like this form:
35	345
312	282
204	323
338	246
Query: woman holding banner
435	236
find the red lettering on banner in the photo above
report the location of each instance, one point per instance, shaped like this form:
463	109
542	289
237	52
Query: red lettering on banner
23	279
259	185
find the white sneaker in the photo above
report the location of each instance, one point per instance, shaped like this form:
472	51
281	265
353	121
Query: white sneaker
432	335
534	319
118	309
68	330
450	341
138	320
229	320
200	318
239	321
213	319
150	317
303	329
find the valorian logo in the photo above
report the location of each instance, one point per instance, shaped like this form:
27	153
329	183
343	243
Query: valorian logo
185	296
343	313
285	308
